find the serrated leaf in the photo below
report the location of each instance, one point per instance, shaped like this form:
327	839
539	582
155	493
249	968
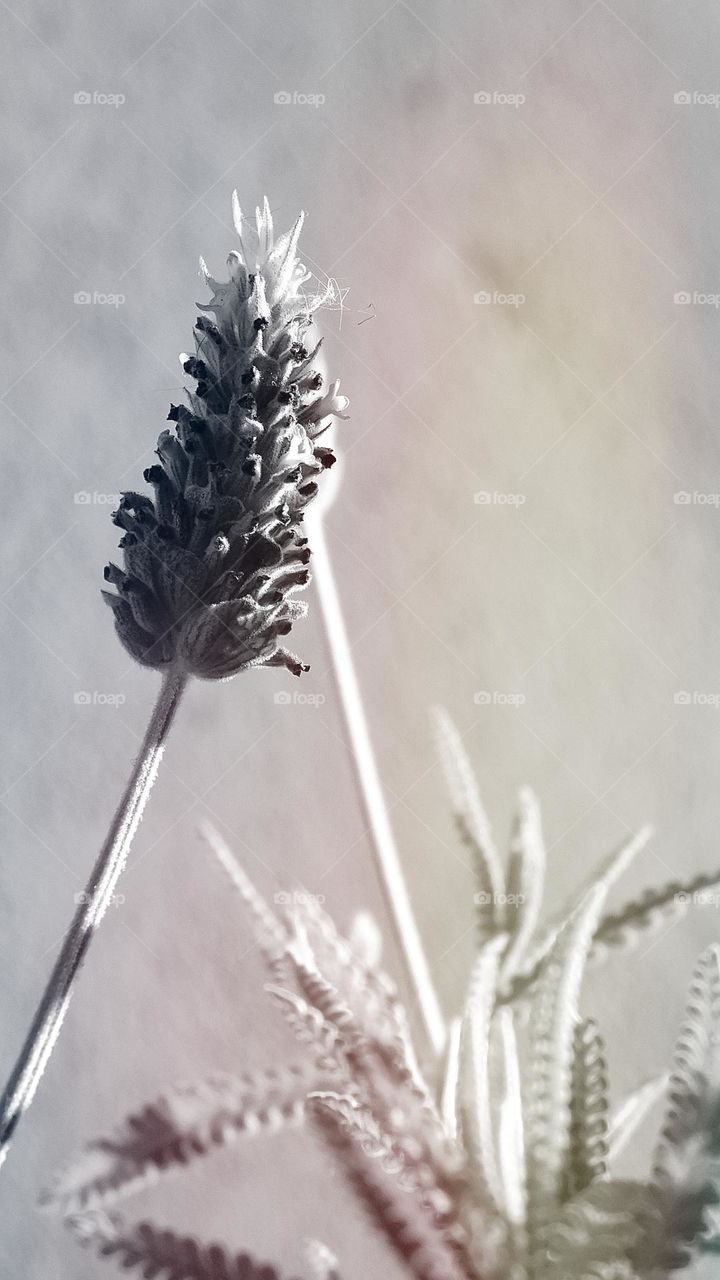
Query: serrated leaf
525	881
163	1255
594	1234
687	1161
367	994
511	1130
419	1233
694	1090
370	994
474	1103
603	878
312	1029
553	1013
473	825
364	1129
653	909
587	1159
184	1123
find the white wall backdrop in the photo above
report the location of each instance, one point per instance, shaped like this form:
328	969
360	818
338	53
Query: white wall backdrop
579	398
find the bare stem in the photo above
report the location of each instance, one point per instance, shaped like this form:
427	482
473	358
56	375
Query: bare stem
387	858
93	903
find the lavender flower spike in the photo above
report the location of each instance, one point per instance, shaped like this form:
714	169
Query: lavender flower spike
213	561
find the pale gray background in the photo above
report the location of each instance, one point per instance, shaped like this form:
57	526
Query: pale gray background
596	599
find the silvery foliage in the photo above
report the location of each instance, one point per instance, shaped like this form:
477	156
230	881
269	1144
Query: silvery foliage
500	1162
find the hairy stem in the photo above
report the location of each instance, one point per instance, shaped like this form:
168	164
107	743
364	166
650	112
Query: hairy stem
93	903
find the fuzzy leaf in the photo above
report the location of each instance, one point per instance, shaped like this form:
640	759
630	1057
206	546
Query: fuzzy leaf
363	986
687	1162
653	909
311	1028
595	1234
603	878
511	1132
473	824
378	1016
553	1013
525	881
315	987
184	1123
694	1088
162	1255
427	1238
474	1103
363	1128
588	1109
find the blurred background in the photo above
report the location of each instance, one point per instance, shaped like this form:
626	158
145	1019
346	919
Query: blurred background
518	207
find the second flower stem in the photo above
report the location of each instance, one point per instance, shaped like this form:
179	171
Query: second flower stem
392	879
92	905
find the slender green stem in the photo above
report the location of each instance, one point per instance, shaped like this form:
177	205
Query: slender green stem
92	905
